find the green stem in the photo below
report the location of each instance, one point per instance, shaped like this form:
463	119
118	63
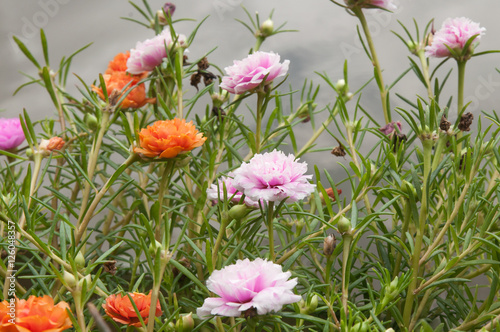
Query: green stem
89	214
425	72
260	113
345	278
258	43
162	192
270	230
460	98
461	81
220	236
94	156
156	290
378	72
427	145
406	223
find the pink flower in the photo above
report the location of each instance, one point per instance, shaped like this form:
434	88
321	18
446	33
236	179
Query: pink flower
390	127
249	73
150	53
272	176
11	133
385	4
248	284
216	191
454	33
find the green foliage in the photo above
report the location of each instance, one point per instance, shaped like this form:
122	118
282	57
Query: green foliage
417	221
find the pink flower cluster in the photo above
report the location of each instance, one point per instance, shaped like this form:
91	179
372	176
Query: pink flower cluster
270	177
150	53
258	284
216	191
454	34
11	133
273	177
384	4
249	73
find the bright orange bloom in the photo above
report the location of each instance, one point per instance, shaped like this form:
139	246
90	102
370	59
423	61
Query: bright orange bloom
37	314
166	139
55	143
117	81
330	193
122	311
119	64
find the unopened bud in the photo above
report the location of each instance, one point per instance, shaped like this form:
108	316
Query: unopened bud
47	146
239	211
154	247
87	280
69	279
220	98
412	46
329	245
185	324
91	121
267	27
80	260
344	225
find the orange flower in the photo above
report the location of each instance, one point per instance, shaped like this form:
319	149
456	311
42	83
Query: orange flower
37	314
119	64
122	311
330	193
166	139
117	81
55	143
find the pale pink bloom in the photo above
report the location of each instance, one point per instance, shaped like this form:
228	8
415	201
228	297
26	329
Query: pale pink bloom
11	133
273	177
150	53
249	73
454	33
258	284
390	127
385	4
216	191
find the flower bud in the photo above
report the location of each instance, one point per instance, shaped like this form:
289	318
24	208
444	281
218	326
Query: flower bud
80	260
299	225
412	46
167	11
220	98
303	110
185	324
389	330
29	153
85	280
154	247
267	27
344	225
239	211
329	245
91	121
69	279
47	146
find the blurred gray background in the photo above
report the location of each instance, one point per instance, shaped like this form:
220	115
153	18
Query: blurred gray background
326	38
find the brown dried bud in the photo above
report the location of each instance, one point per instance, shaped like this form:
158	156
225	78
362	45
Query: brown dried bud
444	124
465	121
330	194
397	140
329	245
195	79
339	151
203	64
110	267
208	78
114	97
218	112
184	262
